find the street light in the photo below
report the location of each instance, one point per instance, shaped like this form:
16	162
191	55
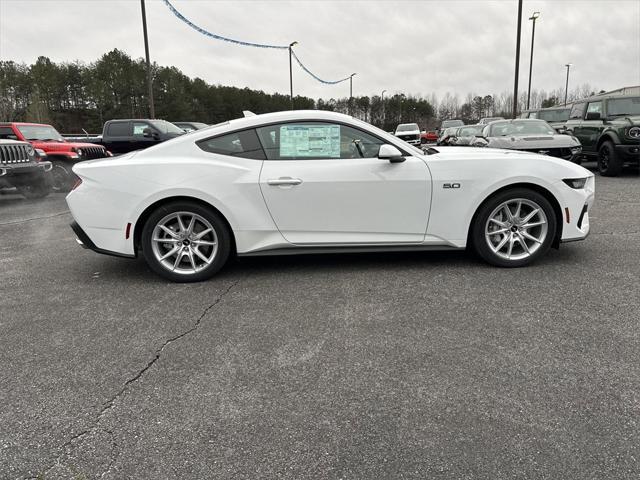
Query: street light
152	112
566	88
291	74
351	91
515	83
382	100
533	18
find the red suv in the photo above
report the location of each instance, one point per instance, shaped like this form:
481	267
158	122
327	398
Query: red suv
61	153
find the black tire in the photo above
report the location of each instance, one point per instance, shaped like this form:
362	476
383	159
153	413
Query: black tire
222	236
480	242
609	165
62	177
39	187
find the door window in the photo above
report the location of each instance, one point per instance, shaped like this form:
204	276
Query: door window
139	127
119	129
317	140
595	107
577	111
243	144
7	133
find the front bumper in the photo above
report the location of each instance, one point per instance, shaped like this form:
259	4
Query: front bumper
629	152
24	169
576	205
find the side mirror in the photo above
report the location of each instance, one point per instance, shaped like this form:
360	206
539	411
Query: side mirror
593	116
149	133
391	153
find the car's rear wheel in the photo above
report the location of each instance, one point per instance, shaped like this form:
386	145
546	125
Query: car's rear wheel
185	242
514	228
609	165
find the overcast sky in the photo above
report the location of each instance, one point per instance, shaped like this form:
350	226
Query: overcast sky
415	47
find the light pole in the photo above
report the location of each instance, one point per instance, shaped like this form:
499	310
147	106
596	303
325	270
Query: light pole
402	96
382	100
351	92
515	83
533	18
566	87
291	74
152	111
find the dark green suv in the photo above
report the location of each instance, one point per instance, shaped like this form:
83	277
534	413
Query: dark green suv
608	127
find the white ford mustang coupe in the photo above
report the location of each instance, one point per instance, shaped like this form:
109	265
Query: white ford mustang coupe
314	181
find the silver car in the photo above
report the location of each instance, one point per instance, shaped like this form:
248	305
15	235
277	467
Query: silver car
530	135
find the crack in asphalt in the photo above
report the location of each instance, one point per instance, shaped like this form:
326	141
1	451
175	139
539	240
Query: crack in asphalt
16	222
108	405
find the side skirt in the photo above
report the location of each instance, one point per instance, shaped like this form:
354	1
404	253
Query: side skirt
297	250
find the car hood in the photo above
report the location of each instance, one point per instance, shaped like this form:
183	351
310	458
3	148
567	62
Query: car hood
488	154
624	121
529	142
62	146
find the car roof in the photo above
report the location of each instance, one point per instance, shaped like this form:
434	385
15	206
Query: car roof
4	124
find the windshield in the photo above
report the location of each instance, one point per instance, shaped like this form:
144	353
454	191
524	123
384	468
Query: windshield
522	127
623	106
559	115
452	123
165	127
40	132
407	127
470	131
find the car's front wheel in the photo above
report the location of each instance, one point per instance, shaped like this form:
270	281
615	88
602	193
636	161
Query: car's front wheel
609	165
514	228
185	242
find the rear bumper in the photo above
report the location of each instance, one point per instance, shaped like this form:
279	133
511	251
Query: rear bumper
85	242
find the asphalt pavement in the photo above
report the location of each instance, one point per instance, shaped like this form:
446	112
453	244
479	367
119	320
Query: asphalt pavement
420	365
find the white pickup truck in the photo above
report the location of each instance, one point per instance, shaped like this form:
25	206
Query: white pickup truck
409	132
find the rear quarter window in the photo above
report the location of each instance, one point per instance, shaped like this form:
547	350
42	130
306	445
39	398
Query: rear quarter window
244	144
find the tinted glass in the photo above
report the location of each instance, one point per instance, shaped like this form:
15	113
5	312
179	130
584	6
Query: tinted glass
469	131
577	112
559	115
7	133
316	140
119	129
624	106
243	144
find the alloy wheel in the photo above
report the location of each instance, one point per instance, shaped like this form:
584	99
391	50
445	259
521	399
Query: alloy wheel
516	229
184	243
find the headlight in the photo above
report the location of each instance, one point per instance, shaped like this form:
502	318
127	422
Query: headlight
576	183
575	150
79	151
31	151
634	132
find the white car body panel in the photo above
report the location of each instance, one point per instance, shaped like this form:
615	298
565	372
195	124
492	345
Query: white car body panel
347	202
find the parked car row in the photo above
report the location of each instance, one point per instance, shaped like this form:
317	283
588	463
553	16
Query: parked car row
50	165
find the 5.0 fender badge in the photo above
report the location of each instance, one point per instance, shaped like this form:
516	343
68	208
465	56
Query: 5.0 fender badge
451	185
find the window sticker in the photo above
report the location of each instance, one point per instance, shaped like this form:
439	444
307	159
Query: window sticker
321	141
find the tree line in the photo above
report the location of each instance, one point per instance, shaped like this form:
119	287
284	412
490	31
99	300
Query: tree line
74	96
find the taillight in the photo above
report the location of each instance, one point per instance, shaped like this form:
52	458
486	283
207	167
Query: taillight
76	185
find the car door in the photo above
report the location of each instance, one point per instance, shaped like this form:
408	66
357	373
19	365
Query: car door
118	136
591	127
138	137
574	124
323	184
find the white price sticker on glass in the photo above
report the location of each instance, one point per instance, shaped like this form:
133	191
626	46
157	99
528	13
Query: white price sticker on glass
316	141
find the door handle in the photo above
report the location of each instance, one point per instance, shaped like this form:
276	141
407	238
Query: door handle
284	181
